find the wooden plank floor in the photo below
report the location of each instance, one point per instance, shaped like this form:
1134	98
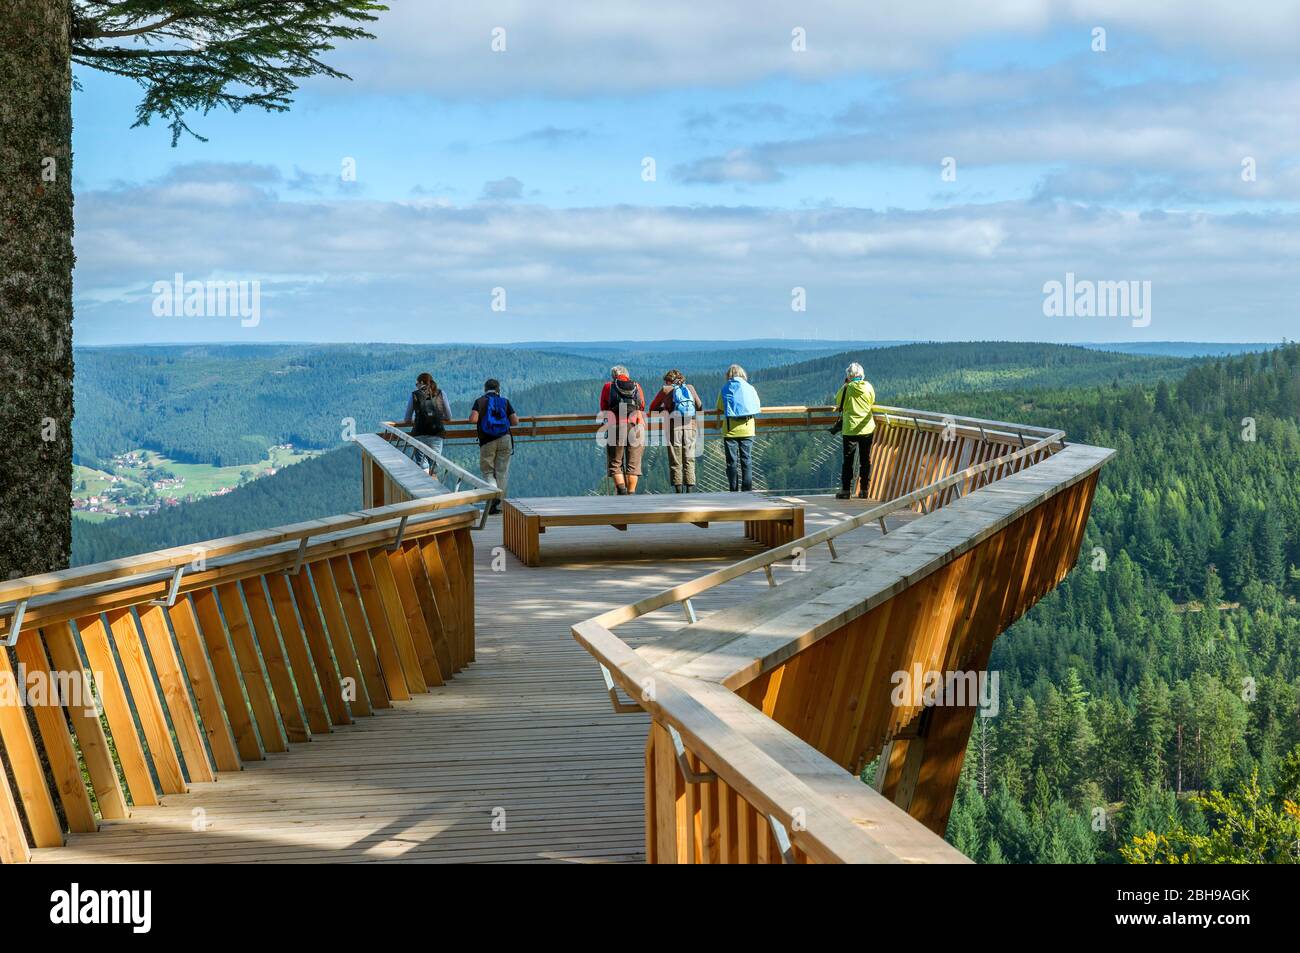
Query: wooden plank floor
525	735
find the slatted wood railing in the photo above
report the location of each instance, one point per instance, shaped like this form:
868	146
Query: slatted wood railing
764	714
207	657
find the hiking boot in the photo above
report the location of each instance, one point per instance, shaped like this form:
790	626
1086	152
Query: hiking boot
678	488
620	490
843	495
495	508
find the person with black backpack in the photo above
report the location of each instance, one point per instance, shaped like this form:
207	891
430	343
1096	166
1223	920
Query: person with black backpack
679	404
427	413
622	431
493	415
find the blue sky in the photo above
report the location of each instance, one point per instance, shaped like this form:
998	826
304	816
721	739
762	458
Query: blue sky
821	169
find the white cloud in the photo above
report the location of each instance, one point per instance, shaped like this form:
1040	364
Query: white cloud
591	47
352	270
1163	140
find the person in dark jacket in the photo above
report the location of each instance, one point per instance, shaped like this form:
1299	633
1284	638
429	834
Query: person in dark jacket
427	413
493	416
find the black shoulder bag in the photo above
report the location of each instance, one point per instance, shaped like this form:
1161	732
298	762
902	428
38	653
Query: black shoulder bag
838	426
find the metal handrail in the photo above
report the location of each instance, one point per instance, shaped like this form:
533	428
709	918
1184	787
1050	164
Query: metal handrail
576	425
269	550
463	474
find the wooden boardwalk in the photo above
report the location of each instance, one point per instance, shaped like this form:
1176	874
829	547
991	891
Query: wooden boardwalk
519	758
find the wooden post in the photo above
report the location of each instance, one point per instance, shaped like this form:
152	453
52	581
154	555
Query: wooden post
250	664
25	760
148	707
176	694
207	694
277	665
64	766
62	647
126	742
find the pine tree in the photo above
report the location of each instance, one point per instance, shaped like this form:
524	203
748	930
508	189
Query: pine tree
1151	729
187	55
1271	551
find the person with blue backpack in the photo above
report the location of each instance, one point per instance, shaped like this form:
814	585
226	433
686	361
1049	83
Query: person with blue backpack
739	405
678	404
493	416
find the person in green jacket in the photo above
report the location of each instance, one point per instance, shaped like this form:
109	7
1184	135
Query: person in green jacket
856	401
738	404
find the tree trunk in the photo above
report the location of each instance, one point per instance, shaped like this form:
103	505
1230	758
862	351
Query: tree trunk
35	287
1178	788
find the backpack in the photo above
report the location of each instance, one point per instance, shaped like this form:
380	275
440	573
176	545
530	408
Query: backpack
495	421
428	418
622	393
739	400
683	403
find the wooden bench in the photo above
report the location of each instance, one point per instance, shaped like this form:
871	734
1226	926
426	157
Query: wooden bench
769	520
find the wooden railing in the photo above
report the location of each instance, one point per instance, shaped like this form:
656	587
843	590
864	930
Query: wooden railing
205	657
390	473
762	716
794	417
913	448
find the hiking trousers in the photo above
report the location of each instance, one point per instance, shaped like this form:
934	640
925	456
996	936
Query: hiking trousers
681	457
494	461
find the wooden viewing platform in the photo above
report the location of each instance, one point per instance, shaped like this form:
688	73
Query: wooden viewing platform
770	520
526	729
390	685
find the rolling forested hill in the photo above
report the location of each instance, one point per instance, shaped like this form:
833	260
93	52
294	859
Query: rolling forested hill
932	369
225	405
215	404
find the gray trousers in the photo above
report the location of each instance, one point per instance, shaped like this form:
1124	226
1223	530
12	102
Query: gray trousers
681	457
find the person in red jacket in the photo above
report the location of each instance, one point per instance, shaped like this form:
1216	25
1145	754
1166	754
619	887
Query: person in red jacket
622	413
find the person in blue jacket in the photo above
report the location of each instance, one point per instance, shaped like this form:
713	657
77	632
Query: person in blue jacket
739	405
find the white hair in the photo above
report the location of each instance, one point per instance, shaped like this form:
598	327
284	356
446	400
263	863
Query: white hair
735	370
854	370
618	370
